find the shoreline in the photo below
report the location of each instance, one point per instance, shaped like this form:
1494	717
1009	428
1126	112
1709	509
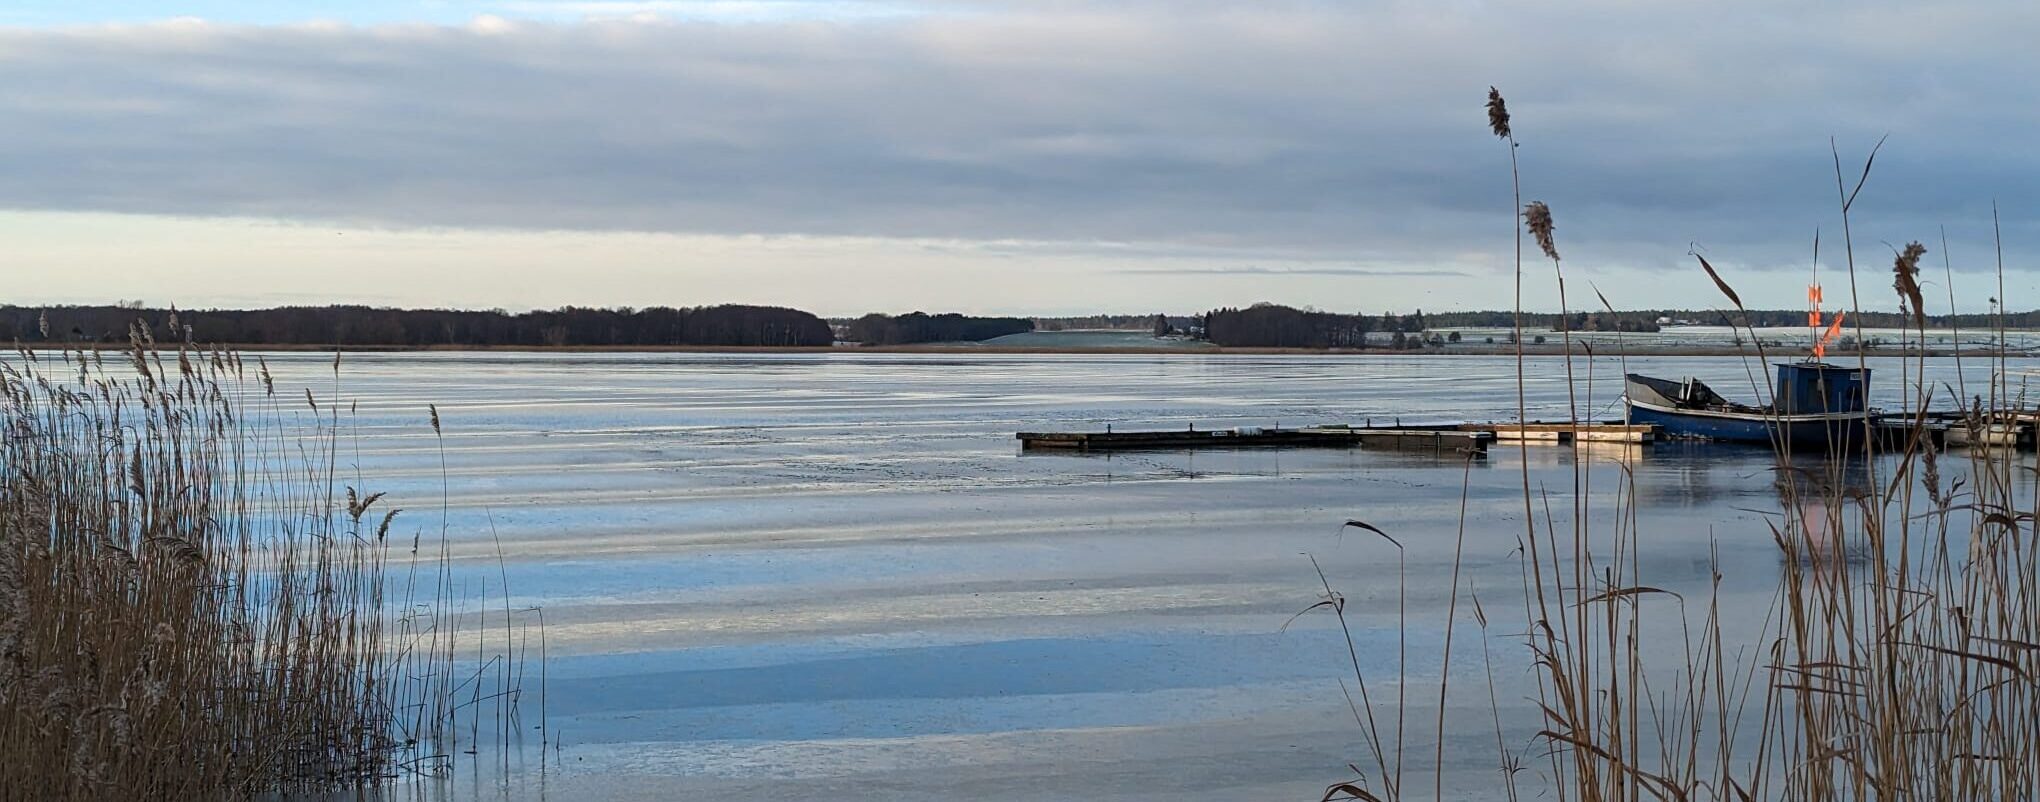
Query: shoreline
1448	351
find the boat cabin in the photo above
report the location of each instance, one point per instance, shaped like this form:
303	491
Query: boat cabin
1818	388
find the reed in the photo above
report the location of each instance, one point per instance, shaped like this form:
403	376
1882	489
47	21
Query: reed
1899	659
192	606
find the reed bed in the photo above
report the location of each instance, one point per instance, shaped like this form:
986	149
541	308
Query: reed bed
1899	658
193	606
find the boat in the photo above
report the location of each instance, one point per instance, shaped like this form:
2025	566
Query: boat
1815	405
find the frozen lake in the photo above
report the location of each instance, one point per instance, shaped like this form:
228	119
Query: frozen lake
836	574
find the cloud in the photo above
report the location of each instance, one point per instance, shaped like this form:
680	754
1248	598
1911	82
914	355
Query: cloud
742	11
487	24
1336	133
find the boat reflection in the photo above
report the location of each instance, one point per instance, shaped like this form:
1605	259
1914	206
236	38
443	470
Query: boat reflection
1822	514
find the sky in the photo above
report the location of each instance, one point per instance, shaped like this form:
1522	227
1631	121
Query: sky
1042	158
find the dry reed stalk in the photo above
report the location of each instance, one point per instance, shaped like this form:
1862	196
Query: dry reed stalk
1899	668
184	611
1900	658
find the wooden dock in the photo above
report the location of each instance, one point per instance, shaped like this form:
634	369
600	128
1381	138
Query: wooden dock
1987	435
1892	431
1536	432
1437	439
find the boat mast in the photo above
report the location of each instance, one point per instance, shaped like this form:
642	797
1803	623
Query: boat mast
1813	300
1813	317
1814	332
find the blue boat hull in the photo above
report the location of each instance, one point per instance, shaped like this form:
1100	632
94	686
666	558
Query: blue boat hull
1818	434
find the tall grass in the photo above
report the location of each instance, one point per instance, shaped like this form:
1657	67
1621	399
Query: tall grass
193	606
1899	658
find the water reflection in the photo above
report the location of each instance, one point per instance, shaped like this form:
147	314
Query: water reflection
836	571
1823	503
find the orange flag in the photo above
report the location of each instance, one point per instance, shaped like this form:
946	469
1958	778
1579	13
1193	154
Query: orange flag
1833	330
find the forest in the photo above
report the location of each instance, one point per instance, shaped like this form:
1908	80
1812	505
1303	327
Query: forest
919	327
1095	322
730	325
1647	319
1276	326
1260	325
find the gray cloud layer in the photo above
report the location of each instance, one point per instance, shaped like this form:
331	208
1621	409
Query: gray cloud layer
1332	130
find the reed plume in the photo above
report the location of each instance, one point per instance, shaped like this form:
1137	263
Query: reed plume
1497	113
1905	268
1537	218
1898	657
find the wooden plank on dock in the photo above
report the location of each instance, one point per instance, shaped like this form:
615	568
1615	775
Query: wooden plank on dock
1422	438
1568	432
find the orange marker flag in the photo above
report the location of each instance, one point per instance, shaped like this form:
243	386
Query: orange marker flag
1834	330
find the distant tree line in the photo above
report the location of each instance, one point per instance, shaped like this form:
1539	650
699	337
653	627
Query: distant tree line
1610	321
1271	325
370	326
1637	320
1872	319
1261	325
1647	319
1121	322
920	327
1275	326
1267	325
